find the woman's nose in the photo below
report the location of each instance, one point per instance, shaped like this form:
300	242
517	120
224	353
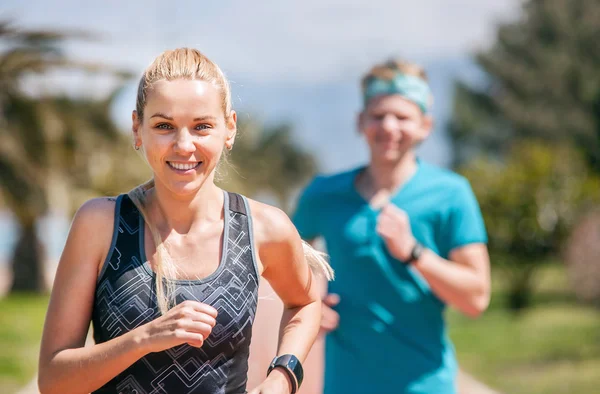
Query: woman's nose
184	141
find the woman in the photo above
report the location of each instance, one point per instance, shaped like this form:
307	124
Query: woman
406	239
168	274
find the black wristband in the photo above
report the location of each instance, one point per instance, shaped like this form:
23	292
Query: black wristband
292	367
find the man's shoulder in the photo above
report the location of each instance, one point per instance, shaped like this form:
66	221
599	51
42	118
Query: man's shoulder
328	185
443	178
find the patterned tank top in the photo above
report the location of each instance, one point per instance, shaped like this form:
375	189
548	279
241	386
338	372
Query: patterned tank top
125	298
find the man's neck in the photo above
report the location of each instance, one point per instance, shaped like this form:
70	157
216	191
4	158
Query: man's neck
381	180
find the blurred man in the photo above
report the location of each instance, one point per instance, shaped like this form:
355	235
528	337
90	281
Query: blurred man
405	238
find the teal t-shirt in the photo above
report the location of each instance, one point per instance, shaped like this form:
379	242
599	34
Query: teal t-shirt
391	336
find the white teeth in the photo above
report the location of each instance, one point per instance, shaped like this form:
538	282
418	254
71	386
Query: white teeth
182	166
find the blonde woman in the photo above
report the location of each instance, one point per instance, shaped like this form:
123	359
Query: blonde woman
168	274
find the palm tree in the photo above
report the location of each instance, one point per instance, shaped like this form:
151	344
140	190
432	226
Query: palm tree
45	142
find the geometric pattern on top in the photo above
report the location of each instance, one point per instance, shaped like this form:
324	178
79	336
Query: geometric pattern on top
125	298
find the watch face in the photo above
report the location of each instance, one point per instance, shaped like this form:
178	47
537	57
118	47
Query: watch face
297	368
418	251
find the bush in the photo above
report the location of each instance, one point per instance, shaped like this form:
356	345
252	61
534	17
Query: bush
530	202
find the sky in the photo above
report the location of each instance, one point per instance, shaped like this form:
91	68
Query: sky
307	41
288	61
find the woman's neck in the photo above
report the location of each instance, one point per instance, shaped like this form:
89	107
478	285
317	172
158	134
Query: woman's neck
176	212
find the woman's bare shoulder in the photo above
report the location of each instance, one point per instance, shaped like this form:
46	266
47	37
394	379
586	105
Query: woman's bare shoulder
271	224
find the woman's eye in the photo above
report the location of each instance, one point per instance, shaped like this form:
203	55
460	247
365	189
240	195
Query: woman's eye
203	127
163	126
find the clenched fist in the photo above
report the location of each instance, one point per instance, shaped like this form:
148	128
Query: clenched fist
393	225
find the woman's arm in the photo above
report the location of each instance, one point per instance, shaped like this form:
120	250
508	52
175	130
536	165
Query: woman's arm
65	365
283	264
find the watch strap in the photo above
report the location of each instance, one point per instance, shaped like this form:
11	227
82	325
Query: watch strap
291	366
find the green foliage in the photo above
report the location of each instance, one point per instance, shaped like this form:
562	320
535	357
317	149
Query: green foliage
544	83
552	348
21	323
266	160
530	202
46	143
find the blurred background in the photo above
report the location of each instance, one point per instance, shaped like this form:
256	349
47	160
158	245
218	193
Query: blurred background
517	110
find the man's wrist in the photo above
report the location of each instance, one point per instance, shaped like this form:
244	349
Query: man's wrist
415	253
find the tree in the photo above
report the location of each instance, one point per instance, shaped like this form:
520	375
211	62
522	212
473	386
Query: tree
267	161
540	85
43	140
543	81
530	202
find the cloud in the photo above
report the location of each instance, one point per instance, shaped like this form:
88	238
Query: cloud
310	40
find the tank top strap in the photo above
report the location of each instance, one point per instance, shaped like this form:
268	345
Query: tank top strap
240	234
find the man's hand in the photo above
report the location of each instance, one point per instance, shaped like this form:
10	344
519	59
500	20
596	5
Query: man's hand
393	225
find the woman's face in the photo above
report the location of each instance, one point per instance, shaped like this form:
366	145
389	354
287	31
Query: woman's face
392	126
183	133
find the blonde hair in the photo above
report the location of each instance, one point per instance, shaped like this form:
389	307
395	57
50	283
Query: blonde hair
183	63
186	63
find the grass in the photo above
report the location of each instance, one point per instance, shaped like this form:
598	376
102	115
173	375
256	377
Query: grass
553	347
21	323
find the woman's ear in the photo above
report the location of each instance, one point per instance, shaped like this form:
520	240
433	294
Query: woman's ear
136	123
231	130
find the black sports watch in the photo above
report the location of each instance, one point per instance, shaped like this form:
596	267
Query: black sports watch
415	253
292	367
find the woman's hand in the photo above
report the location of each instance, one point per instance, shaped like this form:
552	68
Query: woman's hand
190	322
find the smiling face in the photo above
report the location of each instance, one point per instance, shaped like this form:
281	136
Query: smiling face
392	126
183	133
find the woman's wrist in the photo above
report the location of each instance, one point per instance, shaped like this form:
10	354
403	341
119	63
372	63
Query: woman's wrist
281	379
139	341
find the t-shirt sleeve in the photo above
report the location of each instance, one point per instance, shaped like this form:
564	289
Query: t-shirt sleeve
465	222
306	215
